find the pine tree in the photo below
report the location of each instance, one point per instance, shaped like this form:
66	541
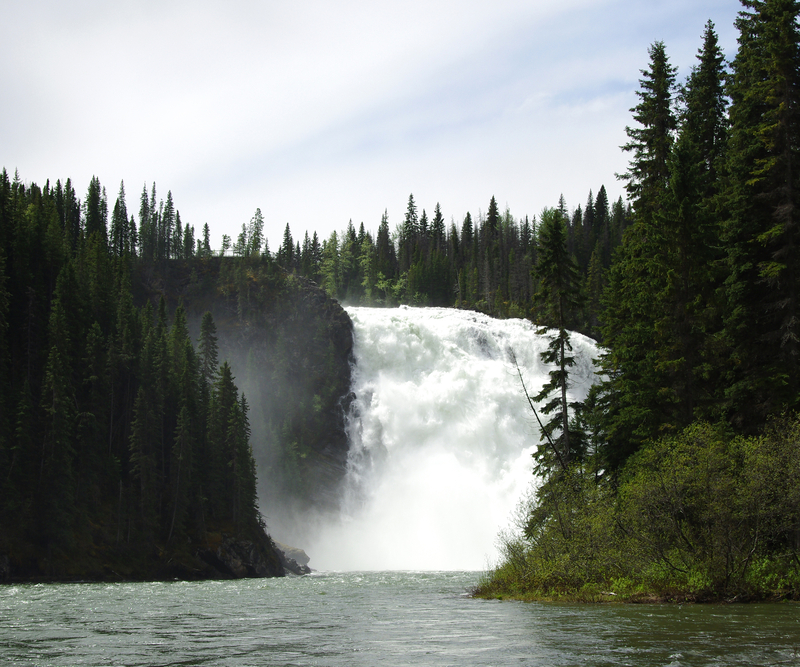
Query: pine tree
687	233
762	232
639	361
437	229
180	469
188	242
409	232
143	461
176	245
648	172
96	210
208	348
6	442
256	233
56	482
166	228
206	241
560	298
285	255
385	248
330	268
119	225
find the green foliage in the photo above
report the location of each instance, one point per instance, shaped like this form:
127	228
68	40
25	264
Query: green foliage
761	225
103	408
699	515
651	142
488	266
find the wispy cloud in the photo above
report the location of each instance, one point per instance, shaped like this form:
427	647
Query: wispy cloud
318	112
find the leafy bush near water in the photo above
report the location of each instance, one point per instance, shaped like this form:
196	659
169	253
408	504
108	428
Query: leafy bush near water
701	515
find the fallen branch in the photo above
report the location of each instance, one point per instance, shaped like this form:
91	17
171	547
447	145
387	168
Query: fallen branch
536	414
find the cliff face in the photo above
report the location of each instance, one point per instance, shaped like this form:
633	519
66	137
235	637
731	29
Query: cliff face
290	347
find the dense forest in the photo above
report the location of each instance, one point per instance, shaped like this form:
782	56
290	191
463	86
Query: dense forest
119	433
124	446
484	264
675	478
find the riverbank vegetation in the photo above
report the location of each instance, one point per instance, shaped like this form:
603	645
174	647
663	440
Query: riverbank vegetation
702	515
126	446
679	481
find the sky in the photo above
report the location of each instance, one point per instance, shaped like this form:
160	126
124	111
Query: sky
320	112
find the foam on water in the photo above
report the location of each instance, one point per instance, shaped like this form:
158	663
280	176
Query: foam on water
441	437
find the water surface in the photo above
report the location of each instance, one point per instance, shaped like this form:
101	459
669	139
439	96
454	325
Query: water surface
372	618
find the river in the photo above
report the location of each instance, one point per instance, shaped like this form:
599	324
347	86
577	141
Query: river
372	618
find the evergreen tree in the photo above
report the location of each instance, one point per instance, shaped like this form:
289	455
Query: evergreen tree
96	210
56	482
120	242
206	241
644	363
166	228
386	259
648	172
208	348
256	233
188	242
761	232
285	254
560	298
687	232
146	249
176	245
437	229
330	267
409	232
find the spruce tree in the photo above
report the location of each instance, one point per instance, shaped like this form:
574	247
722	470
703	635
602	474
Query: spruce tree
761	232
146	248
119	225
560	299
409	231
686	228
650	143
256	233
633	300
96	210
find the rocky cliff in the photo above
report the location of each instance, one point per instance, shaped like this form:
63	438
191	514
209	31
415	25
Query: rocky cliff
290	346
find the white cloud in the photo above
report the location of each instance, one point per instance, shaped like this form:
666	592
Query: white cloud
318	112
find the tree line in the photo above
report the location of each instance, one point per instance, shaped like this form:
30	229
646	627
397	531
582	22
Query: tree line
486	263
116	429
671	478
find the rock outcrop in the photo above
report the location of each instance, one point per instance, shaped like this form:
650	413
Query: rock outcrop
290	348
238	559
294	560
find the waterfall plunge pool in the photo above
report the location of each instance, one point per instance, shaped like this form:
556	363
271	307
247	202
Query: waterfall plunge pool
371	618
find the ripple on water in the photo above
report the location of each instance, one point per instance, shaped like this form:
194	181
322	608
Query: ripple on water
371	618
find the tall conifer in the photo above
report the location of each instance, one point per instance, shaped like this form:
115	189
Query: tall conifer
761	233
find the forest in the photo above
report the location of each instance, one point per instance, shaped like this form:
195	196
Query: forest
675	478
120	439
672	479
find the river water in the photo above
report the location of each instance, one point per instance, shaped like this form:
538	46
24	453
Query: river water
375	619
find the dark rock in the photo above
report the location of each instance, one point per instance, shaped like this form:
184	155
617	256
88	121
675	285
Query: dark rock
239	558
290	346
5	568
294	560
292	552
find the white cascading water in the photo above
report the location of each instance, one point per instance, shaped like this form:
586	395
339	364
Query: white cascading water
441	438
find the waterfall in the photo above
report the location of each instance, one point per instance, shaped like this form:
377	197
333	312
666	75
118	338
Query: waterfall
441	437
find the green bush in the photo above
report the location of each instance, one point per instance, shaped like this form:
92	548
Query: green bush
698	515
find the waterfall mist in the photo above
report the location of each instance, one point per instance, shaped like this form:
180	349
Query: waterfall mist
441	438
